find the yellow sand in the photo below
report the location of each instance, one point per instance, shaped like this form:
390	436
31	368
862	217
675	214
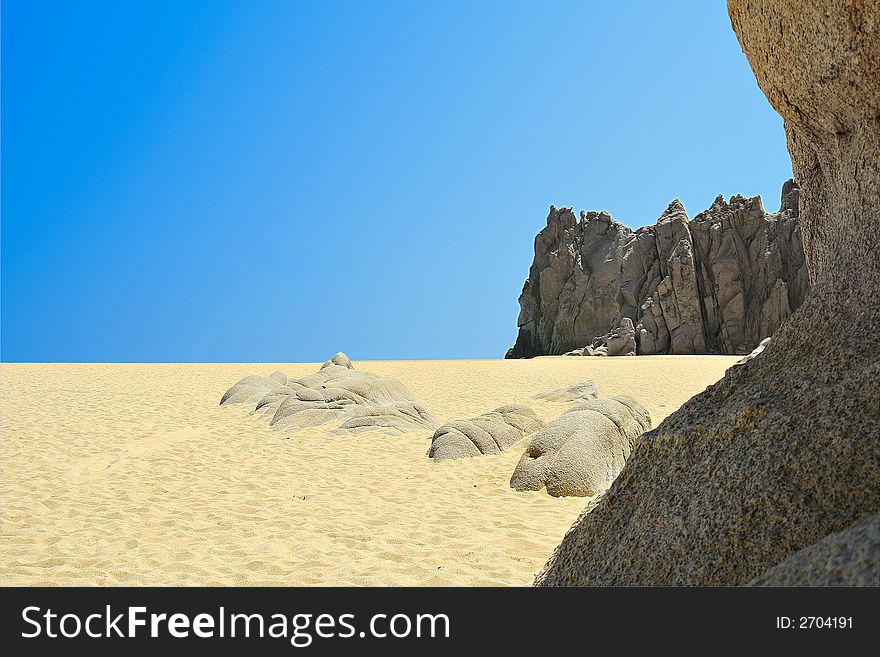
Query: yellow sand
133	475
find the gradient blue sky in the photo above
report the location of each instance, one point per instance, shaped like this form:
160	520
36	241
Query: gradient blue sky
276	181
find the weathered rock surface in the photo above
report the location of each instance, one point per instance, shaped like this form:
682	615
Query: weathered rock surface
847	558
340	359
755	352
335	394
577	392
785	449
582	451
251	389
717	284
622	340
589	350
488	433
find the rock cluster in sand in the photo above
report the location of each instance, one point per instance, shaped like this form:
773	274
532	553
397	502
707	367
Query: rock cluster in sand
582	451
785	450
488	433
335	394
719	283
619	342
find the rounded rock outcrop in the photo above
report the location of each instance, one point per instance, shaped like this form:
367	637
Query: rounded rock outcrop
488	433
582	451
335	394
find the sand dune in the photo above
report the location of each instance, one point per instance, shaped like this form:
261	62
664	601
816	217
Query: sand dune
133	475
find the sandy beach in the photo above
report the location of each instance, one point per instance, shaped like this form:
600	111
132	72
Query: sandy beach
131	474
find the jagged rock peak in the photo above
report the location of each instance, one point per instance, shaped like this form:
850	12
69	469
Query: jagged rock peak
562	216
675	208
790	197
719	283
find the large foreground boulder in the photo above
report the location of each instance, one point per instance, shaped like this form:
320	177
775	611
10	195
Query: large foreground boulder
847	558
335	394
582	451
785	449
488	433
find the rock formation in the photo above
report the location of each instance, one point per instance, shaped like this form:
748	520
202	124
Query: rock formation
251	389
582	451
785	449
589	350
717	284
620	342
337	393
755	352
340	359
488	433
847	558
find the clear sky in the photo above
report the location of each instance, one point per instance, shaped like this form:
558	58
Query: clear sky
280	180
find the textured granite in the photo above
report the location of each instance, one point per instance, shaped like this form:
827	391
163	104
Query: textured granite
785	449
847	558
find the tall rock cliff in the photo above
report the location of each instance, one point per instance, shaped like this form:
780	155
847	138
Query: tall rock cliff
719	283
784	451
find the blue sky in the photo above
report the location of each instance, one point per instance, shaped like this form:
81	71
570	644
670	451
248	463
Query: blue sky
277	181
